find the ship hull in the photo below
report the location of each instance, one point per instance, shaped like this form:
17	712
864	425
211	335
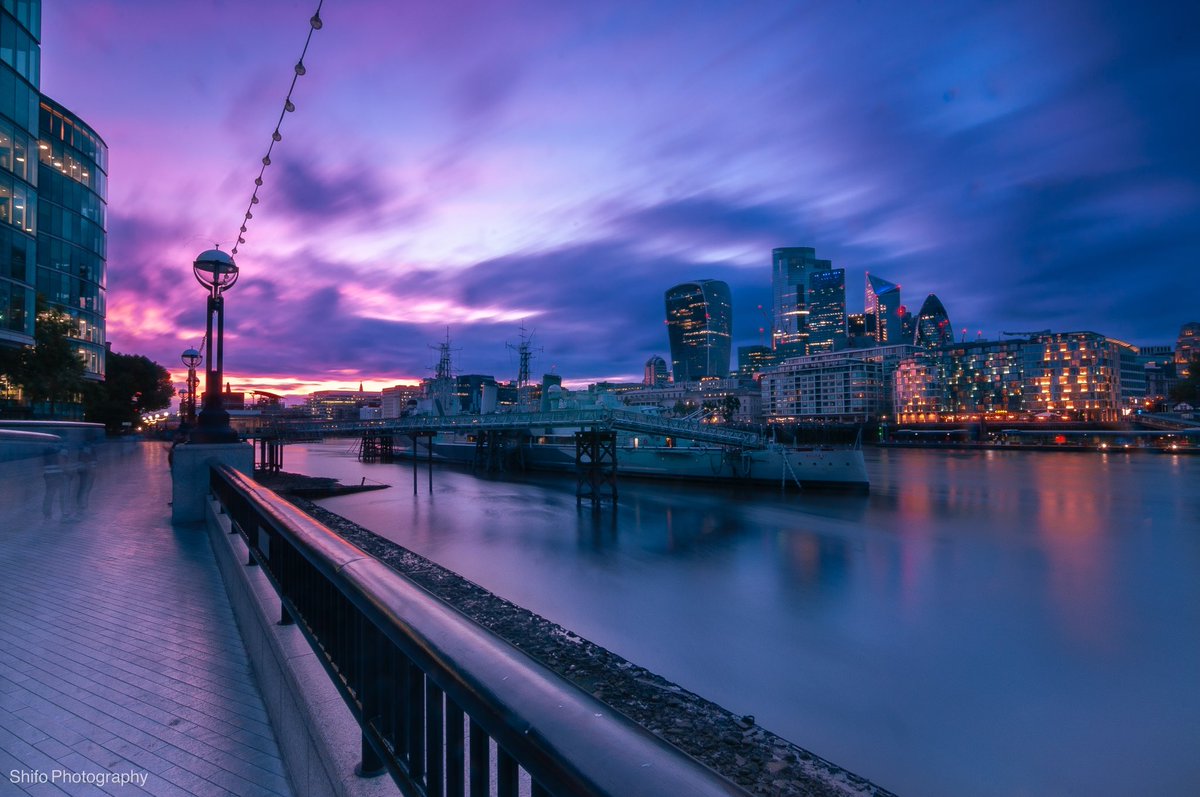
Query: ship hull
823	468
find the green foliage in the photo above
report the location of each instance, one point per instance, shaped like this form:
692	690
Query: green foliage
50	370
729	407
1188	389
133	384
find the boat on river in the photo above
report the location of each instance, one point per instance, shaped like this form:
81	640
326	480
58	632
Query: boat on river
826	467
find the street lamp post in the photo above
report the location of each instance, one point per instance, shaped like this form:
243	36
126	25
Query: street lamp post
217	272
191	358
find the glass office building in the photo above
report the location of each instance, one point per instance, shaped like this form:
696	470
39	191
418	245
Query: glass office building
53	188
827	310
933	324
699	329
882	302
20	67
791	268
71	240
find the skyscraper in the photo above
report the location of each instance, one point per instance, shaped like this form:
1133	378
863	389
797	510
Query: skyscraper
933	324
20	66
790	270
53	185
699	328
883	303
827	310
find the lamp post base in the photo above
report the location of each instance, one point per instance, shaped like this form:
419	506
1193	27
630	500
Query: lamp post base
212	426
190	479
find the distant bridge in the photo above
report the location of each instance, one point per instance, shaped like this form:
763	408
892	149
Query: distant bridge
593	418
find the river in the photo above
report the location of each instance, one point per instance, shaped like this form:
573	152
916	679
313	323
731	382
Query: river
983	623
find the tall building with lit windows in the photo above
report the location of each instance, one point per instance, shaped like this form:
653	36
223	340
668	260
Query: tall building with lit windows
882	302
20	67
699	329
827	310
791	268
71	238
53	185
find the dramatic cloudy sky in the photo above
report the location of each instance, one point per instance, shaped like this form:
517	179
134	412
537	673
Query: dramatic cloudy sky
479	164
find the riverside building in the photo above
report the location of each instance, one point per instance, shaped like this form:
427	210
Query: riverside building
1070	376
851	386
53	190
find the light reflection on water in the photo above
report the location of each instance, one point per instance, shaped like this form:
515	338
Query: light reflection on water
985	623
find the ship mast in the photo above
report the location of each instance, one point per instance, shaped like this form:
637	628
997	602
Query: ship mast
524	351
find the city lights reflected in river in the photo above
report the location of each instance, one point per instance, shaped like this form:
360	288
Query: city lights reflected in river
985	623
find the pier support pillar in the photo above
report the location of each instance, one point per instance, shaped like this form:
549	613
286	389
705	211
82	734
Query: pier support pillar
596	466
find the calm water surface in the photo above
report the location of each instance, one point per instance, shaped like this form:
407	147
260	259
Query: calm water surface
984	623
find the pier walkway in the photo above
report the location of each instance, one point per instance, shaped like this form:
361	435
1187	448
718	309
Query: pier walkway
121	668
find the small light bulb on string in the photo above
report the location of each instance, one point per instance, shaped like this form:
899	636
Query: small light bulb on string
315	23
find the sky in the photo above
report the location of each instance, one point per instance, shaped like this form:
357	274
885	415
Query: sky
477	167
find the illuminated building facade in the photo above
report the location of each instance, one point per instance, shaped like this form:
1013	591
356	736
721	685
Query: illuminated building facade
395	401
656	372
791	269
71	239
918	392
699	328
851	386
933	324
882	303
20	66
964	381
52	206
342	405
753	360
1187	348
1079	376
827	310
1072	376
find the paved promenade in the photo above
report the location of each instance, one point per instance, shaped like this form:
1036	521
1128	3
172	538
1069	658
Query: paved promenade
119	656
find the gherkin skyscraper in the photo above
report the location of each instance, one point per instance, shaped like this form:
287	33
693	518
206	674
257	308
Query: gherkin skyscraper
933	324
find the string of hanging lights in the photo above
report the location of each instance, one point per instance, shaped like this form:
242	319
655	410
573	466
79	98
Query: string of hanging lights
314	24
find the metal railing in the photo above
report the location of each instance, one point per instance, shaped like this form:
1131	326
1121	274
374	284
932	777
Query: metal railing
447	707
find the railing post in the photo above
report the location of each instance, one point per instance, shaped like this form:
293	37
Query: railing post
371	765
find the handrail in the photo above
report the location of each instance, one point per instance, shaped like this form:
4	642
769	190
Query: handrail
431	688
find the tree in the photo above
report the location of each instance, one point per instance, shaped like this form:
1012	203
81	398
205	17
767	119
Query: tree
133	384
1188	388
729	407
50	370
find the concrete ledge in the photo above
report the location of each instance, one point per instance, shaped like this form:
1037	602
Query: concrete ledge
189	475
320	741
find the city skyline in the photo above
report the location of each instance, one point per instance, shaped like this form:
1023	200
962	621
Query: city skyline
473	167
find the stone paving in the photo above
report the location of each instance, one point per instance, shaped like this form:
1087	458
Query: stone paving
119	657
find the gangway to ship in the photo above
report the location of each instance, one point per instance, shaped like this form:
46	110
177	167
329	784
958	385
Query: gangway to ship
594	428
598	418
